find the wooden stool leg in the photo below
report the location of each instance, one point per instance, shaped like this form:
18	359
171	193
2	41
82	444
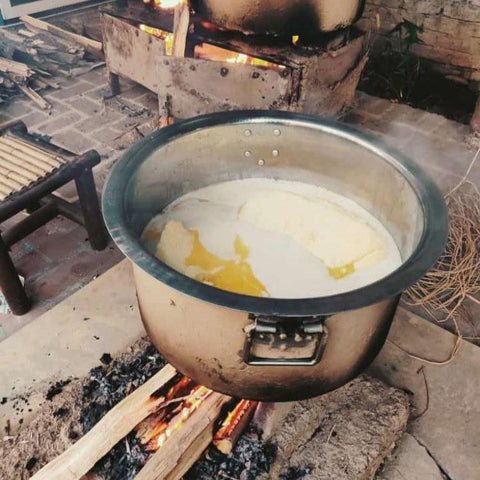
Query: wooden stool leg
87	194
10	284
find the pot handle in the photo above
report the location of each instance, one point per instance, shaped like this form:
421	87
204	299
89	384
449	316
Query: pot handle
284	341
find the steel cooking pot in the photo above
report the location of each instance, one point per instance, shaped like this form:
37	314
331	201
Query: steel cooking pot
281	17
270	349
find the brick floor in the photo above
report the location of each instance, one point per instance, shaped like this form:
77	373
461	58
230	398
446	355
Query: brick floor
56	260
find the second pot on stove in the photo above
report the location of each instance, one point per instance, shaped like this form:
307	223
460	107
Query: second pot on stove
281	17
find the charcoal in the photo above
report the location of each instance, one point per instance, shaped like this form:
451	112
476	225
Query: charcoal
295	474
56	388
106	359
31	463
249	459
109	384
61	412
123	463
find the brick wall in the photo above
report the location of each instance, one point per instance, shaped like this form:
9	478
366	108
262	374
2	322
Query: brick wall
451	32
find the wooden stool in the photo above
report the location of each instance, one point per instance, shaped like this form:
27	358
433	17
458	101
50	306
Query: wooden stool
30	171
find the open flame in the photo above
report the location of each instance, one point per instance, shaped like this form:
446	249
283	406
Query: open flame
189	405
164	35
218	54
211	52
180	399
166	4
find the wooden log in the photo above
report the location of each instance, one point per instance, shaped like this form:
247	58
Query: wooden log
57	42
92	46
168	457
181	23
226	437
38	84
191	455
17	69
51	83
33	95
116	424
151	427
26	33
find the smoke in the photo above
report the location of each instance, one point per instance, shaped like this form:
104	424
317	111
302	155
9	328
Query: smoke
443	148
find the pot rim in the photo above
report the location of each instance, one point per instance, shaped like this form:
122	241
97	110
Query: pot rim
426	253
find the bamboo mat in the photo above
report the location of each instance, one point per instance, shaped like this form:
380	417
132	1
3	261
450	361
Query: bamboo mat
22	164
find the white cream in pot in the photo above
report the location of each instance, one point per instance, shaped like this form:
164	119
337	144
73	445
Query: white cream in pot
280	239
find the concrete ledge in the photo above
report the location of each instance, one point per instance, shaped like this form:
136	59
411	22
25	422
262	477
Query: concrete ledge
68	341
449	429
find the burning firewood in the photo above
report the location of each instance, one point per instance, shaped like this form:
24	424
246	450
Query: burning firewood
154	425
191	429
172	416
232	427
180	28
117	423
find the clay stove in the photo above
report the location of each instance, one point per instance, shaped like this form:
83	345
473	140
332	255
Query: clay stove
224	70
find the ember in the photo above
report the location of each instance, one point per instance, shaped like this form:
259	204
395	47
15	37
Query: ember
211	52
187	407
233	425
165	4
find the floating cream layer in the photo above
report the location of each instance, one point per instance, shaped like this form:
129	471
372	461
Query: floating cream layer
299	237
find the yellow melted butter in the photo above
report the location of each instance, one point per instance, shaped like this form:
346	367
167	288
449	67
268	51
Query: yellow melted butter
341	272
232	275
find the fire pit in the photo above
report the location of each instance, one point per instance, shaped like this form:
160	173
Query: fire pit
171	428
223	70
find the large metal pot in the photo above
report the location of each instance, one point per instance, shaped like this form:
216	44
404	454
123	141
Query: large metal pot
267	348
281	17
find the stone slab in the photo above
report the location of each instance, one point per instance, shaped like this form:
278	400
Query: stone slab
410	461
342	435
68	341
450	427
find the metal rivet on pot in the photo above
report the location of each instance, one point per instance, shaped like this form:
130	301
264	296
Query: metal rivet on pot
277	132
261	162
247	132
248	153
275	153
